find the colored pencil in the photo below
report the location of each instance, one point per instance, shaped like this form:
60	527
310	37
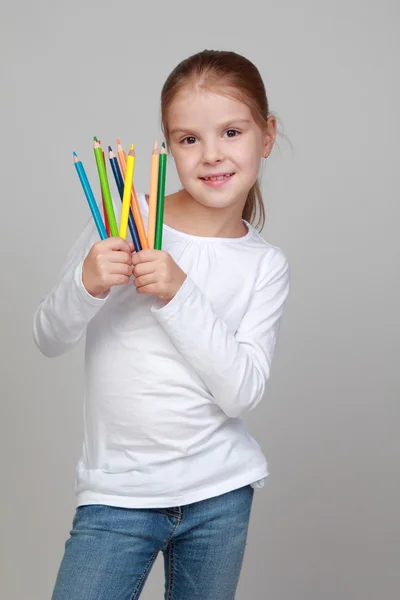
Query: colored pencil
134	201
130	167
162	170
151	229
106	188
120	185
107	224
90	197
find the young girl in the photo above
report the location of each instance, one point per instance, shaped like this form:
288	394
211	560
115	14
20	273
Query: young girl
179	345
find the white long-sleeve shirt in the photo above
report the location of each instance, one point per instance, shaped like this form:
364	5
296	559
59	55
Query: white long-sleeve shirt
166	386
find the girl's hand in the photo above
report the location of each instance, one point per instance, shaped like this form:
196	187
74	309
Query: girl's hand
157	273
108	263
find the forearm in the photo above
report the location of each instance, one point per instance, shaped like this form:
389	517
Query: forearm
234	373
62	317
234	365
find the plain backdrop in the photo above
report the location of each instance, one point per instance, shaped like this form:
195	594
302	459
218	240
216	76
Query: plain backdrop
327	523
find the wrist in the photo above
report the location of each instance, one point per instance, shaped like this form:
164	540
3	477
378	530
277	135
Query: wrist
95	291
177	288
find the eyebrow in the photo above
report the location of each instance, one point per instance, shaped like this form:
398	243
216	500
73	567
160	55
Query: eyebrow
221	126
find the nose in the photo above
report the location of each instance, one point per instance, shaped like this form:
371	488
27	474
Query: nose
212	152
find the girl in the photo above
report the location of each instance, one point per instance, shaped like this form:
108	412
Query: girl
179	345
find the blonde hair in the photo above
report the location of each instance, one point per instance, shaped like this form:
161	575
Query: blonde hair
231	74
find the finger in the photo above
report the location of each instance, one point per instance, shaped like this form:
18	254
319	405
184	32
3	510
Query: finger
117	243
143	269
113	243
147	289
119	279
145	280
121	269
145	256
120	256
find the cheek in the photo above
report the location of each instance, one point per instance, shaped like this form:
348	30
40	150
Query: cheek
251	153
249	162
185	163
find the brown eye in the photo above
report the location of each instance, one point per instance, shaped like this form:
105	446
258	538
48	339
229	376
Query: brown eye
233	131
189	137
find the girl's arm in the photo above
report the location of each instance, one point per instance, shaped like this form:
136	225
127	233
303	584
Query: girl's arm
61	318
234	366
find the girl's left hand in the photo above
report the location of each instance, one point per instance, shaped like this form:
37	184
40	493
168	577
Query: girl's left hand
157	273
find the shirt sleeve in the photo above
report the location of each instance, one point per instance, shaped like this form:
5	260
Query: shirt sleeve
61	318
234	366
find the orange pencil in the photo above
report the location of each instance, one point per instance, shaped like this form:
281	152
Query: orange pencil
137	216
151	230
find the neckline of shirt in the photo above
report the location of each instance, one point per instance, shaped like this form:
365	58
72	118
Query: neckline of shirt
199	238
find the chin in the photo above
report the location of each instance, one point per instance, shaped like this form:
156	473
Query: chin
217	197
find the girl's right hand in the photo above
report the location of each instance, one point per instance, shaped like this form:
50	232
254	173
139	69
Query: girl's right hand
108	263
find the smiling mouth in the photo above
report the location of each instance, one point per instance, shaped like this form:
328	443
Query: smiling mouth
220	178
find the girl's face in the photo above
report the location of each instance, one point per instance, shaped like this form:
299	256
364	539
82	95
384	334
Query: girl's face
215	136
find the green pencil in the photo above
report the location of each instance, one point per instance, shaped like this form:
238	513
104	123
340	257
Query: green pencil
162	171
98	153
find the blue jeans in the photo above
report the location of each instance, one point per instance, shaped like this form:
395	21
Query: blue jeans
111	551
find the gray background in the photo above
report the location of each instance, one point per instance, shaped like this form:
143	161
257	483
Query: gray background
326	525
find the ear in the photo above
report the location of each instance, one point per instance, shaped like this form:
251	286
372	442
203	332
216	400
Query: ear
269	136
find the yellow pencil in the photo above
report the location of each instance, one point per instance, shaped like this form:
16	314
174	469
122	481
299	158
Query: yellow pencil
126	198
151	230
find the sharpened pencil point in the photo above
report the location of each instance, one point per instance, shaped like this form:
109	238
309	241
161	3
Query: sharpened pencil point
118	141
109	149
163	144
155	147
95	139
74	154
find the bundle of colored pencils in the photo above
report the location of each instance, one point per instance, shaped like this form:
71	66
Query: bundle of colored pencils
123	168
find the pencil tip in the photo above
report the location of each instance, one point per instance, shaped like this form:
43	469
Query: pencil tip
109	149
163	144
74	154
155	147
95	139
118	141
132	147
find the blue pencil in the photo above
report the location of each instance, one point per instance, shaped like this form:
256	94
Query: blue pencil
120	185
90	198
